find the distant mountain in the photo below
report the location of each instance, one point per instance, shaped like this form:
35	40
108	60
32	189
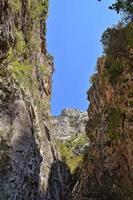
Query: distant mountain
70	122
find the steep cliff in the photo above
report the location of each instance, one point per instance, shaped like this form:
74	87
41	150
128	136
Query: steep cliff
108	170
29	165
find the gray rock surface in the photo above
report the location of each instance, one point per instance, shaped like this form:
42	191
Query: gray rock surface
29	164
69	122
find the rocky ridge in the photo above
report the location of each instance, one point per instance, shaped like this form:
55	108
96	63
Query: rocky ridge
69	130
69	123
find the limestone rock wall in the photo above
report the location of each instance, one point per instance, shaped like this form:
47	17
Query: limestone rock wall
27	153
69	123
108	169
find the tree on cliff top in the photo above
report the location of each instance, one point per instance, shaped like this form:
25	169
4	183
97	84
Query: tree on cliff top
123	6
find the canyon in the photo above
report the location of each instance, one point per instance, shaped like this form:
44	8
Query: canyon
34	146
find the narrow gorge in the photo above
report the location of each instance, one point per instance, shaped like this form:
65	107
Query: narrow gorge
75	155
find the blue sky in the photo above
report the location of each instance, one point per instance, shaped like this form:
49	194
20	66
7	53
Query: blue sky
74	29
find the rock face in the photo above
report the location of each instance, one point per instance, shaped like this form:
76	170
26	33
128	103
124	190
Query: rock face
108	170
30	168
72	142
70	122
28	157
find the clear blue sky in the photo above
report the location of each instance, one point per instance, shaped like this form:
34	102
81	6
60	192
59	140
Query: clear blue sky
74	29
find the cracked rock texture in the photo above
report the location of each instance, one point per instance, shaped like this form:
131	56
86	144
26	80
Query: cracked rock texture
29	165
108	169
69	123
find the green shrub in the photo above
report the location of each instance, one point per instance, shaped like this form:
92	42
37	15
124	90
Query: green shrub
68	156
76	141
93	79
38	8
114	41
20	46
41	105
22	71
43	70
114	122
33	41
15	5
113	69
125	7
68	151
129	34
118	43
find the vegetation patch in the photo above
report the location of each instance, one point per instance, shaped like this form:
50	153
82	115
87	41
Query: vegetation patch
22	71
41	105
114	122
94	79
73	151
15	5
118	43
20	46
113	69
38	9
